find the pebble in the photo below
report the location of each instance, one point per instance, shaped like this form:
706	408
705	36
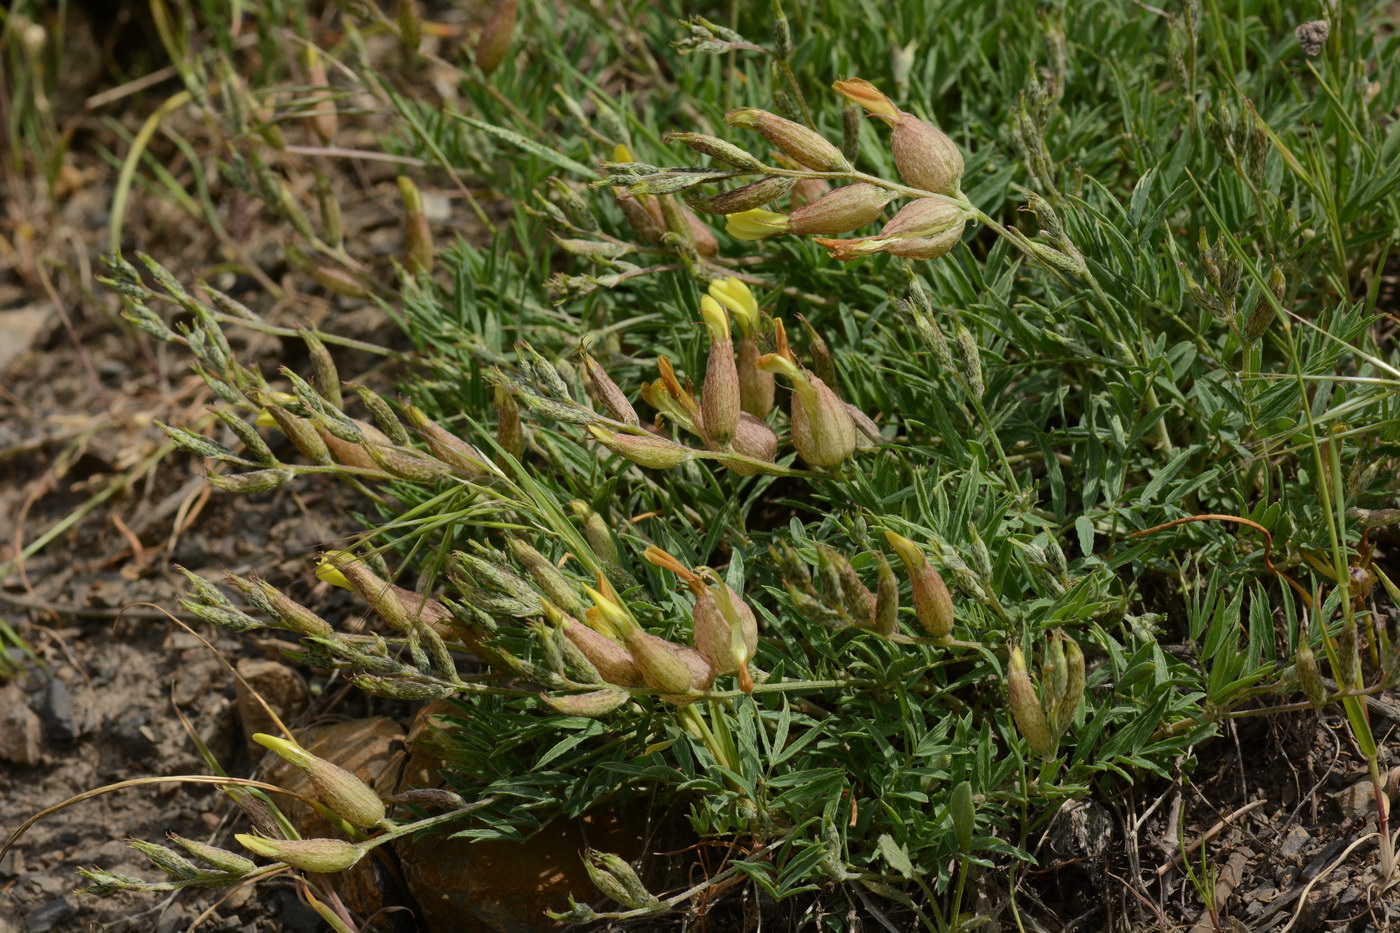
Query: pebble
54	704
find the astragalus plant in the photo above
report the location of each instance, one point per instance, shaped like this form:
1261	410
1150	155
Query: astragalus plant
1028	415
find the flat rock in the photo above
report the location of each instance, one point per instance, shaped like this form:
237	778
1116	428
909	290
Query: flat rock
283	689
20	330
49	915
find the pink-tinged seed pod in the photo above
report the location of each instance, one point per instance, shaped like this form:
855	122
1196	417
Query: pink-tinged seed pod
701	674
806	146
720	402
932	604
839	211
319	856
1026	711
724	629
923	229
663	667
342	792
646	450
808	190
706	243
448	447
612	659
756	387
753	438
612	398
924	155
822	429
592	705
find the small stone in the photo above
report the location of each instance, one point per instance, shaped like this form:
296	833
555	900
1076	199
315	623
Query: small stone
49	915
1294	841
54	704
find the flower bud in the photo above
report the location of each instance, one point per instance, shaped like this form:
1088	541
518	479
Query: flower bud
1309	677
166	859
320	856
1071	693
495	38
932	604
805	145
613	399
323	113
548	578
1263	314
822	430
342	792
839	211
886	600
924	155
592	705
289	613
755	194
614	877
222	859
737	298
647	450
719	404
1026	711
418	236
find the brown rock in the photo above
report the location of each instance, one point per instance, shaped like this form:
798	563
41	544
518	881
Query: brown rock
281	687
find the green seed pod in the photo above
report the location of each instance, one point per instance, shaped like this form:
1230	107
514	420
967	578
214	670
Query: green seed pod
720	402
320	856
964	815
342	792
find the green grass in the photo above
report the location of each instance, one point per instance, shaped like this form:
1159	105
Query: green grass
1219	351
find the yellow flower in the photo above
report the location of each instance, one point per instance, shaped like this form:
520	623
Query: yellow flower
755	224
327	572
738	300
